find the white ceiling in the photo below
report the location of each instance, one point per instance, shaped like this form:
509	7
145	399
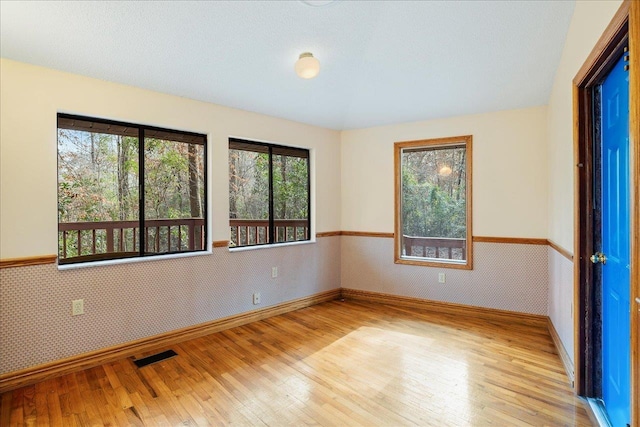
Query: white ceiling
382	62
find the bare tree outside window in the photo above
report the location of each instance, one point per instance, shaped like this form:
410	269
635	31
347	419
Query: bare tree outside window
269	193
102	165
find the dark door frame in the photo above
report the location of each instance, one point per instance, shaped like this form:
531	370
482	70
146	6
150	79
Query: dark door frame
623	30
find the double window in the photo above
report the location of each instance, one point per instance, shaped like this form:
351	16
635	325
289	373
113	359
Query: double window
269	195
127	190
433	202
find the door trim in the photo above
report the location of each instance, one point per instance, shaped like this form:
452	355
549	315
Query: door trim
624	27
634	188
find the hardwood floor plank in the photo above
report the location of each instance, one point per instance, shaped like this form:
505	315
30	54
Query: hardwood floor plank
83	405
140	409
42	411
337	363
110	372
54	408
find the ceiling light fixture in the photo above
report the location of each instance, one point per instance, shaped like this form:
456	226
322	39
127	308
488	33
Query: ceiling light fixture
317	3
307	66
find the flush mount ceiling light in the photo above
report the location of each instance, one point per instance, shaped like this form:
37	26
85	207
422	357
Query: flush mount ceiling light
307	66
317	3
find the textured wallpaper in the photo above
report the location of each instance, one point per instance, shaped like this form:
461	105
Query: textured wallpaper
505	276
131	301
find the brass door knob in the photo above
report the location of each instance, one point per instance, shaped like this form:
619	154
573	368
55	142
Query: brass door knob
598	257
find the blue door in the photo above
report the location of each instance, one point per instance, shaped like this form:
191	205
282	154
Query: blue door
616	316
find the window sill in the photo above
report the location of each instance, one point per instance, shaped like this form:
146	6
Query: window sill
269	246
432	262
131	260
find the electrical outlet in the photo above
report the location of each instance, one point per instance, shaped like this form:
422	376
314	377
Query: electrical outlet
274	272
256	298
77	307
441	278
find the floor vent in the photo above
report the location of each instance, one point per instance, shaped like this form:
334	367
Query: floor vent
155	358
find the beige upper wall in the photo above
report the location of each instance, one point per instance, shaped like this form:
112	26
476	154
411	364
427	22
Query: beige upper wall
509	171
29	100
522	188
590	18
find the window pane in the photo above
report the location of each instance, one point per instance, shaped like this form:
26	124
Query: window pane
174	196
268	193
290	198
249	197
99	184
97	193
434	203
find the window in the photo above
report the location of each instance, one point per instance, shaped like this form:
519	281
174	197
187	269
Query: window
128	190
269	196
433	202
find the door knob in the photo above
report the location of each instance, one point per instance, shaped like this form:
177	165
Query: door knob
598	257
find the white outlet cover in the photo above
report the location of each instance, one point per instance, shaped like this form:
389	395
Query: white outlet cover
77	307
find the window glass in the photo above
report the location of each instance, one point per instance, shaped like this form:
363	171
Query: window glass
433	197
174	196
269	194
101	212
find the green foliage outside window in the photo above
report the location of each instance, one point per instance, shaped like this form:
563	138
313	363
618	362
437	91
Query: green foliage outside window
99	181
433	204
250	178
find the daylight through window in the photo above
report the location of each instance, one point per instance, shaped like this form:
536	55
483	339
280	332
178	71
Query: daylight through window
433	202
269	196
128	190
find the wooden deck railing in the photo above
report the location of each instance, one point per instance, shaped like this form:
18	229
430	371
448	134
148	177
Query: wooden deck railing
96	240
161	235
246	232
433	247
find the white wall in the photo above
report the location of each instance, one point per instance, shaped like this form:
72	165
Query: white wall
509	171
30	98
509	200
590	18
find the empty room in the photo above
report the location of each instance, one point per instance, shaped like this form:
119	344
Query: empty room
332	213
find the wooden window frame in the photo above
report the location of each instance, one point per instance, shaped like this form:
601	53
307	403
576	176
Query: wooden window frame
467	141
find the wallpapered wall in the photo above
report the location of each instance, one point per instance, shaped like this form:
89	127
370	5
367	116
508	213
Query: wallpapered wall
131	301
505	276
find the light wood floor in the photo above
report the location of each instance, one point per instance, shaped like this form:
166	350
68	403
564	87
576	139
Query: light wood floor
337	363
